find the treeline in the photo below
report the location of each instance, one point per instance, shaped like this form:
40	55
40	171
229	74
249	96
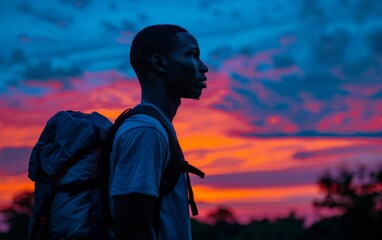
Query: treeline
357	195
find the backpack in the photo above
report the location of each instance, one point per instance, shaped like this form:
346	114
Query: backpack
70	166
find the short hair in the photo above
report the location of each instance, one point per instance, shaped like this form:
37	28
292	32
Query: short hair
155	39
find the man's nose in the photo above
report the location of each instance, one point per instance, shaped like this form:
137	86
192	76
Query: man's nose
203	68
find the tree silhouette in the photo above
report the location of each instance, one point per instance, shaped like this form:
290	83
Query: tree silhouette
222	215
358	195
223	226
352	191
288	228
17	216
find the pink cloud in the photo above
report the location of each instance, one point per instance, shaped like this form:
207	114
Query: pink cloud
361	115
125	37
247	66
288	40
14	160
371	148
337	72
363	90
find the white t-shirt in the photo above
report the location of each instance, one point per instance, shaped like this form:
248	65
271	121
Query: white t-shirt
139	156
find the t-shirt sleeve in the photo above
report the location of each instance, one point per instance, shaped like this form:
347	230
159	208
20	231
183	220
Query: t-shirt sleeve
140	156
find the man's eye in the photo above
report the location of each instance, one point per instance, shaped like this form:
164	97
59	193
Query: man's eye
194	54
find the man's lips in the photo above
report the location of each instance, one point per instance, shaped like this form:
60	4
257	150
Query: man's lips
202	81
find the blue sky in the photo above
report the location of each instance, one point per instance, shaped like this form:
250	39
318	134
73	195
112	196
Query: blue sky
321	50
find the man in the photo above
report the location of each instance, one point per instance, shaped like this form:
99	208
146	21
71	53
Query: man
166	61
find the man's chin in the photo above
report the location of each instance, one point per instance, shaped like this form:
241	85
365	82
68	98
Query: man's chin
194	96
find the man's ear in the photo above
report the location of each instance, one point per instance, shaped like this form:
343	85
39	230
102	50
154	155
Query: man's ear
158	63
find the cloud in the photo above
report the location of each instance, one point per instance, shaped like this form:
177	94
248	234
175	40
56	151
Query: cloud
283	61
123	25
14	160
79	4
18	56
331	47
331	153
223	163
50	15
262	179
299	103
44	71
24	115
375	40
286	82
312	10
364	9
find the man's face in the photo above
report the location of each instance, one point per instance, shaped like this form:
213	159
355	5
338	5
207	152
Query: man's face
185	72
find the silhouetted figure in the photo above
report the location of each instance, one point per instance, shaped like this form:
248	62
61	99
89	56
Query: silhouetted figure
166	61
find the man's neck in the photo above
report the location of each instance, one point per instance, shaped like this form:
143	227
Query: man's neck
167	105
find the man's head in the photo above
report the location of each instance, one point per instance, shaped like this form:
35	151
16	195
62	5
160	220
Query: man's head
172	54
155	39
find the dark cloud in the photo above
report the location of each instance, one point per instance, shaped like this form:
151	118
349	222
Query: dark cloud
282	61
263	179
311	10
205	4
353	71
143	17
14	160
331	47
25	7
322	85
307	133
197	154
50	15
375	41
228	104
378	95
246	51
249	96
18	57
27	38
225	162
344	2
110	26
364	73
44	71
221	53
124	25
128	26
336	151
113	6
365	9
80	4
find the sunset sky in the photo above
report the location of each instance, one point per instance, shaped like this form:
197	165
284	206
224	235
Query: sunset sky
294	89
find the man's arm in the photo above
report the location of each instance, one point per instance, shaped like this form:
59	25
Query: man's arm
133	216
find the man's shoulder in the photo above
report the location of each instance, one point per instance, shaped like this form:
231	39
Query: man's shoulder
141	122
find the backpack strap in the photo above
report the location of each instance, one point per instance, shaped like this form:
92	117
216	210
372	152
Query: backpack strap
177	165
